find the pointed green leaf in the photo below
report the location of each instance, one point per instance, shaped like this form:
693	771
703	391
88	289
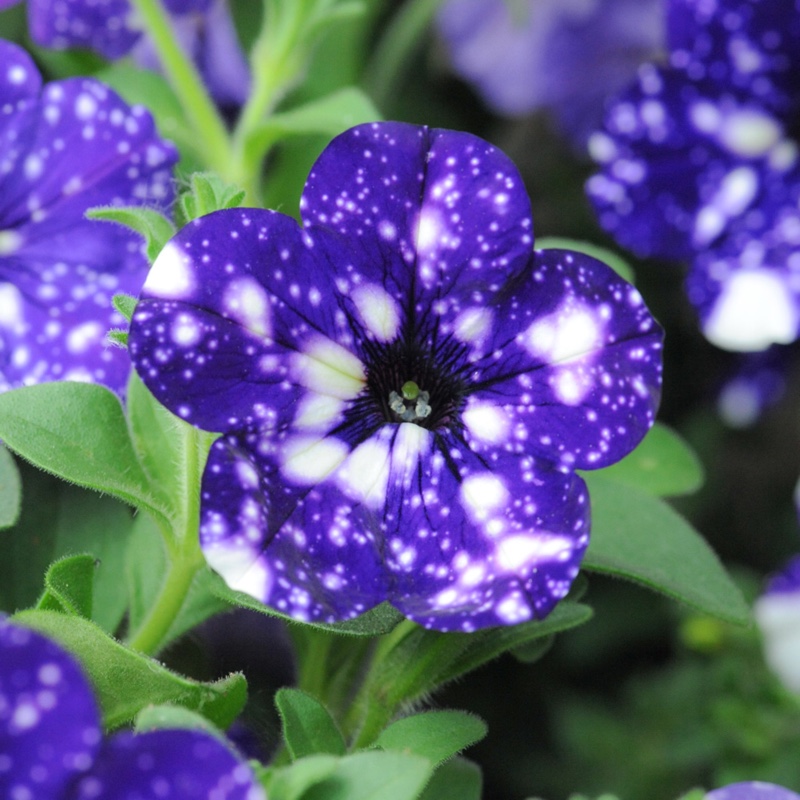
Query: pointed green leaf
156	229
125	304
458	779
639	537
374	775
126	681
292	782
663	465
68	586
207	192
10	489
436	735
78	432
308	727
614	260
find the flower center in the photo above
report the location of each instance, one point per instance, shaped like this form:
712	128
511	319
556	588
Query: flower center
410	383
411	405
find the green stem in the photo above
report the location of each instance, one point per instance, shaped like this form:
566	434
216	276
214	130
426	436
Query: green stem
185	80
183	549
312	648
276	58
170	600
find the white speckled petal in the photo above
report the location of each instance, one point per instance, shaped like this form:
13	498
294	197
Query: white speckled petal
49	721
175	764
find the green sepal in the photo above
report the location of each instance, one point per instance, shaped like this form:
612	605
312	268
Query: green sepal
10	490
639	537
609	257
308	727
68	586
377	621
436	735
125	304
156	229
662	465
78	432
126	682
457	779
206	192
372	775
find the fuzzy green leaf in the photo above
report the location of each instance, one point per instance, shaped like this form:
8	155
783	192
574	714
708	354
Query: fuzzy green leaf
68	586
663	465
156	229
308	727
78	432
436	735
458	779
126	681
639	537
10	490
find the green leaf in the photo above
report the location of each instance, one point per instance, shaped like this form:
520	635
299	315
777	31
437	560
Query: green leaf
436	735
329	116
374	775
68	586
78	432
126	681
292	782
639	537
458	779
207	192
10	489
614	260
100	526
662	465
156	229
168	717
377	621
308	727
125	304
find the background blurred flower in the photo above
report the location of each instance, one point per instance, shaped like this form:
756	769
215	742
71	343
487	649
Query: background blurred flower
65	148
404	386
51	744
567	56
112	28
698	161
752	790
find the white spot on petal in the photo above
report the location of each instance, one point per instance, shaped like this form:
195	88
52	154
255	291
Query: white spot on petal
328	368
754	310
486	422
307	460
171	275
378	311
247	301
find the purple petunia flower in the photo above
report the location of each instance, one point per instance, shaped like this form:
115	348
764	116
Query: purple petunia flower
777	612
752	790
564	55
699	161
112	28
64	148
404	386
51	744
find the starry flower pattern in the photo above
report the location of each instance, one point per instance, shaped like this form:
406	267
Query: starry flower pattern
68	147
698	161
52	747
404	387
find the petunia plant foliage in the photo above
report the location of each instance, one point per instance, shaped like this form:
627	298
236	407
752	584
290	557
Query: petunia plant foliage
398	424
